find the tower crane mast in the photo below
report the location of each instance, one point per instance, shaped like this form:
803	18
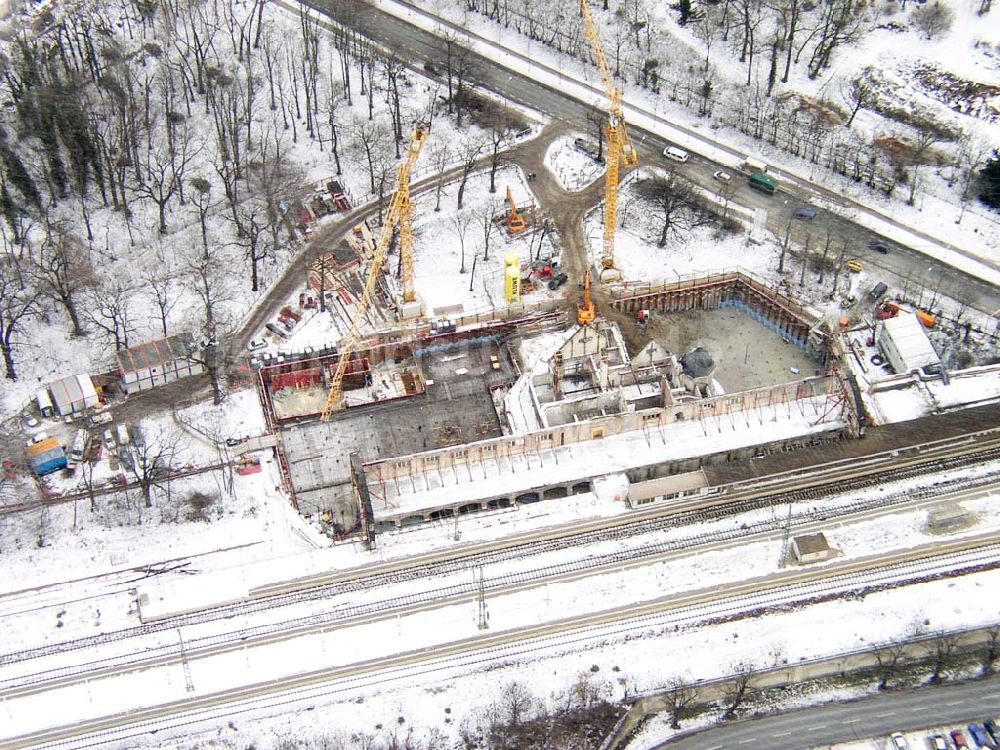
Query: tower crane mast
620	148
398	209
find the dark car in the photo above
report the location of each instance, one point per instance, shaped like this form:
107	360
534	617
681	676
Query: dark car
878	246
276	331
993	730
806	212
557	281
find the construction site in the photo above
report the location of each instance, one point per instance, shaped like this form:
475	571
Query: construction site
573	384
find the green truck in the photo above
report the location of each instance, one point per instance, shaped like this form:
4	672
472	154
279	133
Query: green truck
762	182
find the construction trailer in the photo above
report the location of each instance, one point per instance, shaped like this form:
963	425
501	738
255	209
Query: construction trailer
904	343
156	363
72	395
46	456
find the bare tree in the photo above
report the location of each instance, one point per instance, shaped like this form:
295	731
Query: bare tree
941	652
858	92
206	275
676	204
887	659
62	269
926	138
440	154
991	649
152	458
933	19
469	152
19	303
110	311
372	138
679	698
164	175
461	221
739	686
162	287
488	224
518	703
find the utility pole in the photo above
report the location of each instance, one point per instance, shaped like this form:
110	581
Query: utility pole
784	539
188	682
484	614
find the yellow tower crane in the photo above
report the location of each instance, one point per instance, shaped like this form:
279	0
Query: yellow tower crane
406	214
620	149
399	210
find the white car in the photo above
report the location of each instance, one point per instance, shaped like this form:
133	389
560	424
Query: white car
29	420
899	741
256	345
722	176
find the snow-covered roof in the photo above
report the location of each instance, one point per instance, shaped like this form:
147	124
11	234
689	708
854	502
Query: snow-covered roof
154	353
76	391
910	340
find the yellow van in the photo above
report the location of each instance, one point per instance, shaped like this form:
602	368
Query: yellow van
854	265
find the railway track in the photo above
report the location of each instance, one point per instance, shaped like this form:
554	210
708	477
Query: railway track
744	599
347	614
351	581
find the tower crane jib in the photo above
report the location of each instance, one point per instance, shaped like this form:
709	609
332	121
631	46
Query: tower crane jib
620	148
399	210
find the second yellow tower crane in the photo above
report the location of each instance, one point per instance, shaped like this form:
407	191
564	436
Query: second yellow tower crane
620	148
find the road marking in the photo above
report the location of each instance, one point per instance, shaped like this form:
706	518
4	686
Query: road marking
955	703
851	721
883	715
818	727
781	734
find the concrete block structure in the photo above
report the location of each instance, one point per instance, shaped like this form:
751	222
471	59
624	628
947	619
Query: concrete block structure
156	363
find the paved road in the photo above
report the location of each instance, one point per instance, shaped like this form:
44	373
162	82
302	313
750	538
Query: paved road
878	716
418	46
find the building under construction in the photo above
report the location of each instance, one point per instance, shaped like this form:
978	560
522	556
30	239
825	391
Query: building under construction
479	413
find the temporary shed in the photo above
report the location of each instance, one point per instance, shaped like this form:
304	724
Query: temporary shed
73	395
904	343
46	456
44	401
158	362
810	548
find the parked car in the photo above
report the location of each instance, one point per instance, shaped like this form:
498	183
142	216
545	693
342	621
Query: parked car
109	439
722	176
899	741
979	736
958	738
558	281
29	420
854	265
256	345
878	246
806	212
937	742
232	442
993	730
125	459
878	291
98	419
276	330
